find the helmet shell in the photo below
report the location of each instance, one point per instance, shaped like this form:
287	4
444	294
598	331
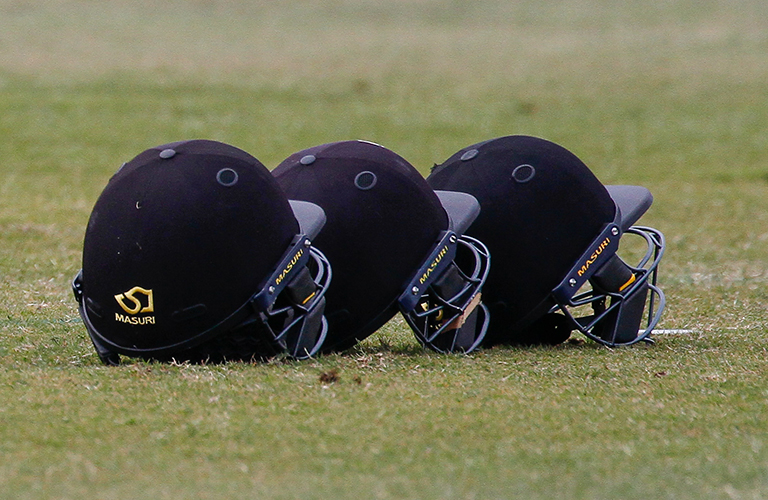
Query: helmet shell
541	209
181	237
382	221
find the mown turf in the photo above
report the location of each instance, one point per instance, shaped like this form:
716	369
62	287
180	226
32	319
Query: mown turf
670	95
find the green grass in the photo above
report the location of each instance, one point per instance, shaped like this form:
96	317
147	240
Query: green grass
670	95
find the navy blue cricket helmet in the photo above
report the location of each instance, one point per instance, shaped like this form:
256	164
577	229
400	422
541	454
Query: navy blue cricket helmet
193	253
394	244
554	231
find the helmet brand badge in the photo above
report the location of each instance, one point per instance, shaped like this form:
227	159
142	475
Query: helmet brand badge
592	258
136	305
288	267
425	276
133	306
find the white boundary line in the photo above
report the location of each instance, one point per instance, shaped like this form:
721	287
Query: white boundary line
673	331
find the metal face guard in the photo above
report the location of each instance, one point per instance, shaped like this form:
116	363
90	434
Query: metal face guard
298	316
619	296
448	315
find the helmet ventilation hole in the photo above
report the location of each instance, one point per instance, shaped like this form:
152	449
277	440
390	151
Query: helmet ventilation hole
365	180
227	177
523	173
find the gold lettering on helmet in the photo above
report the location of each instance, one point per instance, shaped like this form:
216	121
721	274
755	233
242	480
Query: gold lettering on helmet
133	320
137	307
592	258
433	265
288	267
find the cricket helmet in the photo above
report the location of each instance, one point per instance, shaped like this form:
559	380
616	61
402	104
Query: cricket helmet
554	231
394	244
193	253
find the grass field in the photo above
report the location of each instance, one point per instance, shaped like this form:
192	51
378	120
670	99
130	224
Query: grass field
671	94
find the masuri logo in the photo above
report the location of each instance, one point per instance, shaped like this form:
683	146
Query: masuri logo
137	305
132	305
